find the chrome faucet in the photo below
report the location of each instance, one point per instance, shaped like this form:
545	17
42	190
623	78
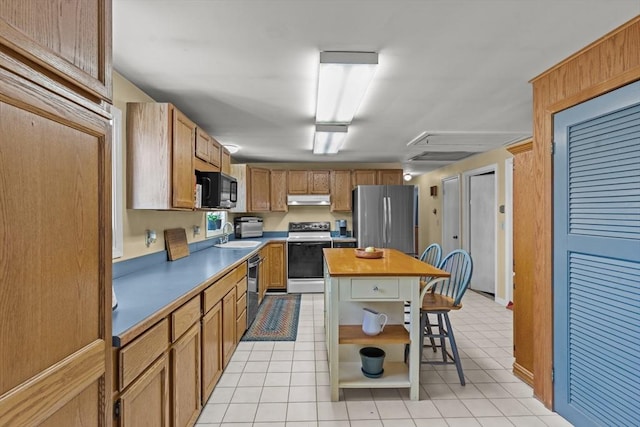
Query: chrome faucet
225	234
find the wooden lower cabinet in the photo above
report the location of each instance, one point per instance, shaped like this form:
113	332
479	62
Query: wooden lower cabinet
265	272
185	378
146	402
211	350
275	273
228	325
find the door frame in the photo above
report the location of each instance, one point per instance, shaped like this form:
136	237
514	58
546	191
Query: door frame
508	229
466	218
444	217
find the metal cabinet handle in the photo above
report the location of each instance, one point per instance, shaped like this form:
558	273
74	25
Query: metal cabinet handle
375	289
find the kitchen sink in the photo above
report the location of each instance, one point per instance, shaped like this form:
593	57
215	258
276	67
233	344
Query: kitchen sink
239	244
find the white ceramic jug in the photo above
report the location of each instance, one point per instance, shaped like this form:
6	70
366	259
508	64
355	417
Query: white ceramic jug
372	323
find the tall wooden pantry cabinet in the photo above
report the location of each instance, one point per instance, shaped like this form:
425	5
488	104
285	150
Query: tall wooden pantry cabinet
55	212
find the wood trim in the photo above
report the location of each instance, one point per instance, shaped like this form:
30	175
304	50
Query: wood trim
35	400
608	63
523	374
623	79
392	334
520	147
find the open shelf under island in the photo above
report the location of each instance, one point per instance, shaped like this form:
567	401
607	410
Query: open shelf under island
384	284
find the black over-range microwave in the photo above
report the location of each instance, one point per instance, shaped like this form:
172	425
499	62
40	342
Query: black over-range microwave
219	191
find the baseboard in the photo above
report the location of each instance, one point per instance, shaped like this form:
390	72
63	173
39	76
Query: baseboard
522	373
501	301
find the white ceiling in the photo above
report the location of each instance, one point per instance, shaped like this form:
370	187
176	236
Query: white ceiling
246	71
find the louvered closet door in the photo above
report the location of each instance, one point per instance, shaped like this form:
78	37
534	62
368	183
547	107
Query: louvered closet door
596	281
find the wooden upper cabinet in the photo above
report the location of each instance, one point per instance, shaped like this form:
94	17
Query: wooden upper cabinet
258	190
214	152
365	177
377	177
298	182
319	181
390	177
225	161
203	141
70	39
341	191
160	151
279	191
309	181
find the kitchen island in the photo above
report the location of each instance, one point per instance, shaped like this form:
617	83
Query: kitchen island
384	284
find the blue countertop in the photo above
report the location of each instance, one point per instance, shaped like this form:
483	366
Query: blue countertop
143	293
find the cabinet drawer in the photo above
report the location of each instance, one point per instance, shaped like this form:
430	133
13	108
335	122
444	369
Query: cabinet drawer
241	287
214	293
184	317
219	289
375	288
141	352
241	304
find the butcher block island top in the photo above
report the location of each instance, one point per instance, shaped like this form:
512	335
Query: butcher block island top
343	262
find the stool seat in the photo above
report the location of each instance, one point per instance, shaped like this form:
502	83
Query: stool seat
438	302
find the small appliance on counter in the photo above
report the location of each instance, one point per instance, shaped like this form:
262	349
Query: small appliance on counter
247	226
341	227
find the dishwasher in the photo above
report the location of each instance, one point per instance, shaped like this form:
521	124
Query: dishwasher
253	285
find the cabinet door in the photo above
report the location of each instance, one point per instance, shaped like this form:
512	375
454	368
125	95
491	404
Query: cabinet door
202	145
276	270
279	191
185	378
365	177
69	39
265	273
390	177
183	178
55	311
214	152
298	182
225	160
146	402
341	191
319	182
228	325
259	190
211	350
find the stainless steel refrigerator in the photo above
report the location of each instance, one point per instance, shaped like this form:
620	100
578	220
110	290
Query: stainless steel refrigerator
383	216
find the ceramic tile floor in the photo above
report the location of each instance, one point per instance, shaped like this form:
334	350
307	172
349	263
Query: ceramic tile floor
287	383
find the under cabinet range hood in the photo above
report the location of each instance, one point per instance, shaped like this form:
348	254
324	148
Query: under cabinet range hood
308	200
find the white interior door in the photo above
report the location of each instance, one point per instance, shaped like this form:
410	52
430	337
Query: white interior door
482	233
450	215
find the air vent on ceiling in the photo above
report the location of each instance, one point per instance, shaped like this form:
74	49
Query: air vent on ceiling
441	156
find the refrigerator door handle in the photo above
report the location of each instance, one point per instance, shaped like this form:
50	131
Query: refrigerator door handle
389	221
384	222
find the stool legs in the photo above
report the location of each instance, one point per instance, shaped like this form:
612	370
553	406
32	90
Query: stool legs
444	331
454	348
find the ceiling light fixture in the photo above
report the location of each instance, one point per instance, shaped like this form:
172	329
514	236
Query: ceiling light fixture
343	81
231	148
407	176
328	138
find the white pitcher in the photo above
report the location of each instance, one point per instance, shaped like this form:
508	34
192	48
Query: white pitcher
372	323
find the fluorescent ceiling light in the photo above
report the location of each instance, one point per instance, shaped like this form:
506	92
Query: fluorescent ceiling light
329	138
343	81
